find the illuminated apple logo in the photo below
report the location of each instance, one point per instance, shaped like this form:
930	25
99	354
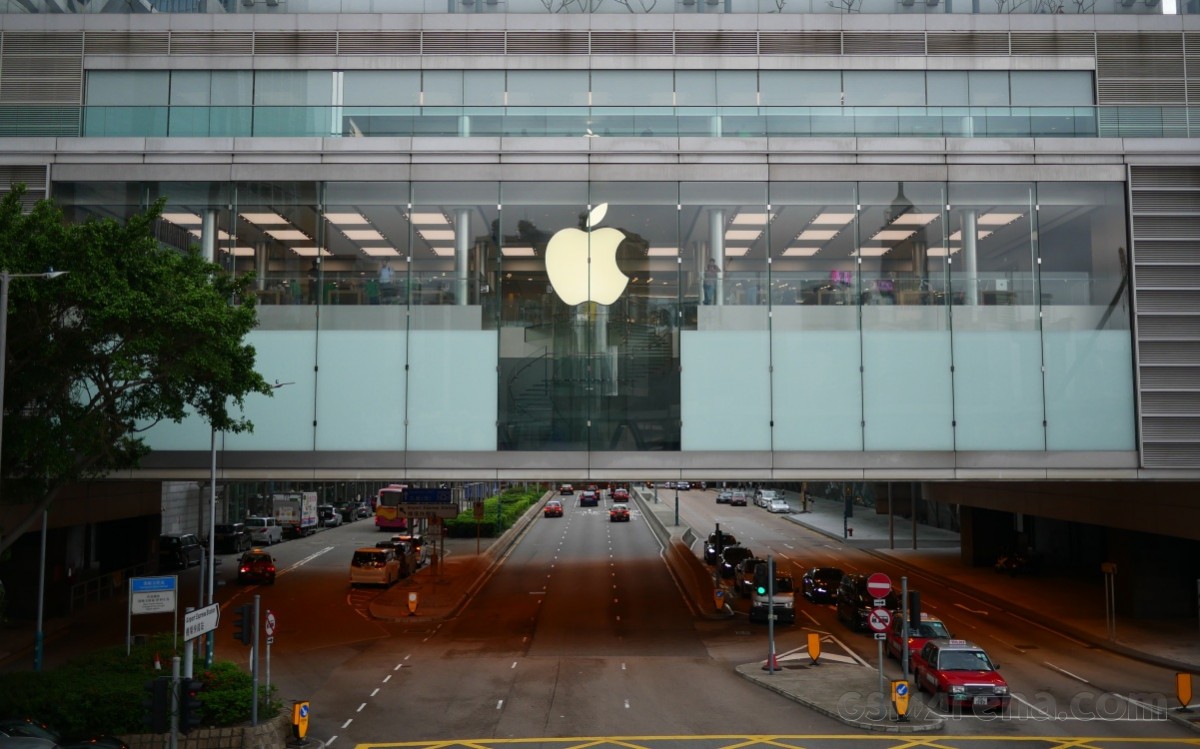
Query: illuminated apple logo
579	276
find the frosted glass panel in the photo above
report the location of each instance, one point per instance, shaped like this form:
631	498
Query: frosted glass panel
906	388
381	88
1089	390
632	87
877	88
561	88
283	421
119	88
998	390
1052	88
192	433
814	88
816	407
725	399
306	88
360	403
452	390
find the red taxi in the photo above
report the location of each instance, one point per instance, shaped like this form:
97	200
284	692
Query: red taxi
618	514
930	627
959	674
620	494
256	566
553	509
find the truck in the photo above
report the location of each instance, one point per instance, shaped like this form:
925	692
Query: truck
296	513
781	596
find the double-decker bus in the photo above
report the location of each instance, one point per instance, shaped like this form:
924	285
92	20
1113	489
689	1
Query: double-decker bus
386	502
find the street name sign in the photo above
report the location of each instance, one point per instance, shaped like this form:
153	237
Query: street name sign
152	595
200	621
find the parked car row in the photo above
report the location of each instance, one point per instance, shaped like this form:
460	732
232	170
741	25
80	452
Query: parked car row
768	499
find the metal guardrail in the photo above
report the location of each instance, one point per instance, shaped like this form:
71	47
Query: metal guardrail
108	585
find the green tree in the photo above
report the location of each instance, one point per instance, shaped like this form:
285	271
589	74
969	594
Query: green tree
135	333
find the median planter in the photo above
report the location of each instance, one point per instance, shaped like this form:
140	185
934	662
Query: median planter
269	734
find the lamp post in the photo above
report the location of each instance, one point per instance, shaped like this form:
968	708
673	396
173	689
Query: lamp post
5	278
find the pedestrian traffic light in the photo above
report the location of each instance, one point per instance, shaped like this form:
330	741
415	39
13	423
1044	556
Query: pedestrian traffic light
190	706
243	624
157	702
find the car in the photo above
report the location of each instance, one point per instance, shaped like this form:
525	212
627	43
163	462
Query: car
682	486
779	505
620	494
724	497
717	541
855	604
28	733
177	551
763	497
362	511
264	531
738	499
415	543
589	498
744	576
372	565
820	584
929	628
566	490
619	513
730	557
256	566
328	516
553	509
959	674
231	538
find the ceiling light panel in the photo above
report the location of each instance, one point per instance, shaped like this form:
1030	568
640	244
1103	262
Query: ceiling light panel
380	251
663	252
941	251
873	251
957	236
998	219
221	234
801	251
443	251
288	235
517	252
893	235
346	219
311	251
363	235
238	251
751	219
429	219
436	235
915	219
182	219
736	251
265	219
816	235
832	219
743	234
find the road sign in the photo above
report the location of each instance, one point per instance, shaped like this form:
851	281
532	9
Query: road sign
270	622
201	621
426	511
152	595
879	585
879	620
421	495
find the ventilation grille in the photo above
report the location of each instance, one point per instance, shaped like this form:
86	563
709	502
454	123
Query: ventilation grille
462	43
855	43
716	43
127	43
379	43
33	177
45	79
1032	43
1139	45
43	43
633	43
295	43
212	42
792	43
967	43
548	43
45	121
1166	214
1141	91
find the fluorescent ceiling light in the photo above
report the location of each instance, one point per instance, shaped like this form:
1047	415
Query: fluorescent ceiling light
751	218
816	235
429	218
915	219
265	219
833	219
311	251
873	251
380	251
238	251
364	235
941	251
957	236
892	235
182	219
517	252
432	235
801	251
743	234
443	251
287	235
663	252
221	234
736	251
998	219
346	219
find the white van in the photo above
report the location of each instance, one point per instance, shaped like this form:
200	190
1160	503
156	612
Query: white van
264	531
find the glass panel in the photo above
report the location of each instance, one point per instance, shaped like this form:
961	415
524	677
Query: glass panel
1047	88
630	87
452	230
737	88
947	88
988	88
695	88
381	88
369	414
907	391
367	234
814	318
997	340
280	239
285	420
310	88
802	87
483	88
442	88
452	375
547	87
127	88
884	87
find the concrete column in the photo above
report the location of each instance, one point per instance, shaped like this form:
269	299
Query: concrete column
260	266
462	255
208	235
970	255
716	231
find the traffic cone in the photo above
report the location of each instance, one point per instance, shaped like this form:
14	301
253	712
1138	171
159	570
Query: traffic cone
771	664
157	663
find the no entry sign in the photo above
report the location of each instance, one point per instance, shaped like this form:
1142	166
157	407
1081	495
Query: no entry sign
879	585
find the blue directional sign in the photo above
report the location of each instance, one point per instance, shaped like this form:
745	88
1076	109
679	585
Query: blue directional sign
902	688
426	496
152	584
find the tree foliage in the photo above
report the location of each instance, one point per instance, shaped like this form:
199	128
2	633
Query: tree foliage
135	333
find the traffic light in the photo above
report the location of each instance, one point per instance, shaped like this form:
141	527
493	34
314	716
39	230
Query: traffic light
157	702
914	609
190	706
761	578
243	624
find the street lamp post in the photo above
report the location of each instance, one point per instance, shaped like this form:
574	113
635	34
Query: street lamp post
5	278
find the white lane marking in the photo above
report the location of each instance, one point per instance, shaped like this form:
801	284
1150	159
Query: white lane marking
1065	671
537	592
788	546
500	705
408	656
387	678
360	707
981	612
332	739
1029	704
622	666
375	692
514	665
811	618
306	559
626	704
347	723
398	666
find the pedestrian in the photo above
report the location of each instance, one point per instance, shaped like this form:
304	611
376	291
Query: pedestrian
314	273
711	271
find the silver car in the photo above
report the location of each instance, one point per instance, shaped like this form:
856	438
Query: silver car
779	505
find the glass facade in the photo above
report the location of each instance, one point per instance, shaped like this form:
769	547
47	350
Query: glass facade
668	316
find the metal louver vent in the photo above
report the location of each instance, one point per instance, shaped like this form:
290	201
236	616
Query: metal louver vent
1167	299
295	43
1141	91
41	80
967	43
45	120
212	42
126	43
899	43
1140	67
633	43
1066	43
43	43
379	43
33	177
716	43
462	43
547	43
800	43
1139	44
